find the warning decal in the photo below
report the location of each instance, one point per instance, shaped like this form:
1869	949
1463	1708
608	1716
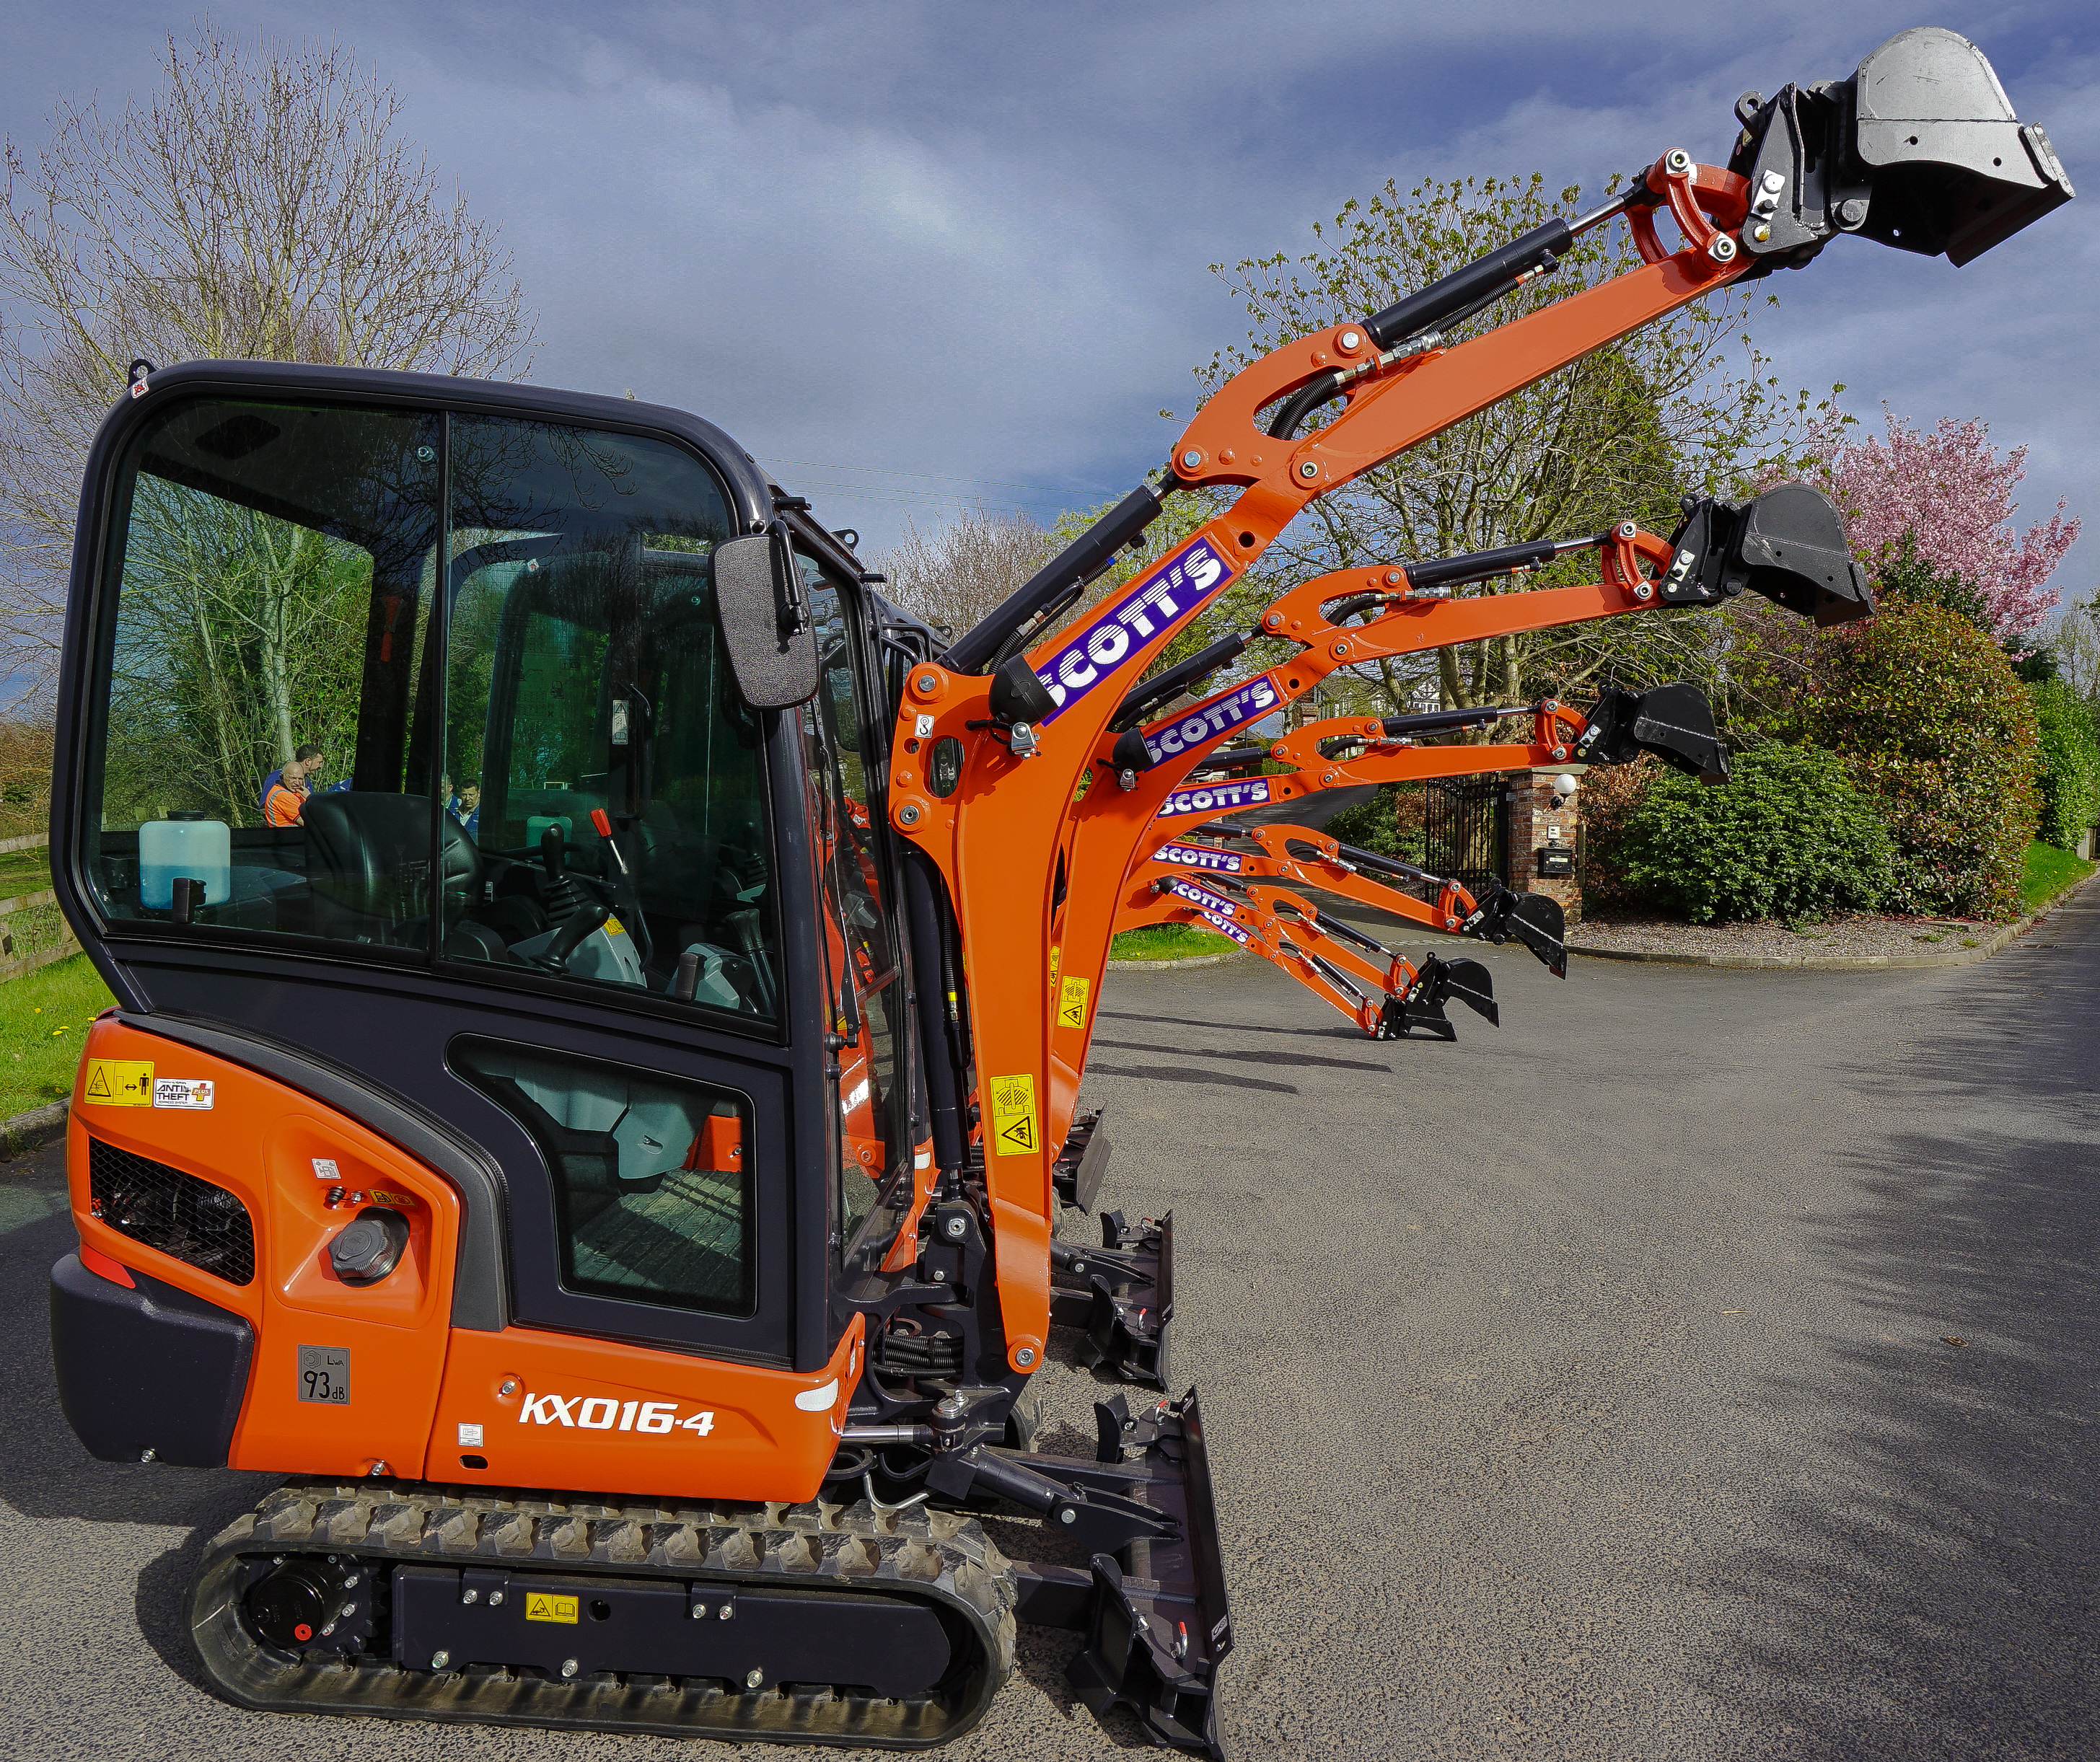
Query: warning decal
1014	1116
119	1082
543	1605
1072	1004
183	1092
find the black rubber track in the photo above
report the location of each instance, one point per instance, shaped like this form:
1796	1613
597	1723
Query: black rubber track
940	1559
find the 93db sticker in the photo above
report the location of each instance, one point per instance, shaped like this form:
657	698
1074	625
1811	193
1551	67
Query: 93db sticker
324	1374
1013	1130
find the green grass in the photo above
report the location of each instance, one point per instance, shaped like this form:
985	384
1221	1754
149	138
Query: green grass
1167	942
43	1020
24	871
2049	871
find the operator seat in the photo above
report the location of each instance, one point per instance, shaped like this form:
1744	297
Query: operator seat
369	866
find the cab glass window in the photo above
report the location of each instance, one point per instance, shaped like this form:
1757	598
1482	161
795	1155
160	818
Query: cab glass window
865	988
652	1196
597	757
265	640
439	687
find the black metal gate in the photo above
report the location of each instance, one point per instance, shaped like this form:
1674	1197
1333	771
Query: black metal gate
1466	824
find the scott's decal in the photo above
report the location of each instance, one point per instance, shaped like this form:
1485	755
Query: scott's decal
1216	798
1225	927
1205	723
1204	897
1162	599
1199	856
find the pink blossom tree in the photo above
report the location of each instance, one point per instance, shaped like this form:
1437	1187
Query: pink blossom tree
1947	490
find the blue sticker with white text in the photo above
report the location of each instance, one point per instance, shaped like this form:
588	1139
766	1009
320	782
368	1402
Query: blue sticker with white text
1183	585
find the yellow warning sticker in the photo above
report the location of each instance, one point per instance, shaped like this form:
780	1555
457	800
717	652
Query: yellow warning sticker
614	927
543	1605
1072	1004
119	1082
1056	953
1014	1116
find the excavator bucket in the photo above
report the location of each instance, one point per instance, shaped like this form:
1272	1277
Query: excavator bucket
1954	169
1536	920
1788	545
1438	982
1920	149
1674	722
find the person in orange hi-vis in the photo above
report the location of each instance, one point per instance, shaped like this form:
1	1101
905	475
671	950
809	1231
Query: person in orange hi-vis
287	798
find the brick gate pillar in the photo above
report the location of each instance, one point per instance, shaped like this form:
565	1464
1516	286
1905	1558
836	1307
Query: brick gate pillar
1537	829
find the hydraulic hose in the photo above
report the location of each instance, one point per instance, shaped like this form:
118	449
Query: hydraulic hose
1086	559
1148	697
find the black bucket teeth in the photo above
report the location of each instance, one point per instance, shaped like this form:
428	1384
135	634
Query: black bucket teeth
1438	982
1920	149
1953	167
1788	543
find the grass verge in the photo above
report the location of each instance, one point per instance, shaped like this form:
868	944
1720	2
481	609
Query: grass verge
43	1020
2049	871
1167	942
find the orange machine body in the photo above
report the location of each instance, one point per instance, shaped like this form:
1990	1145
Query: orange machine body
1012	840
517	1407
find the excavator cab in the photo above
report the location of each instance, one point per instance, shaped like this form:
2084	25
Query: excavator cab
543	1102
569	895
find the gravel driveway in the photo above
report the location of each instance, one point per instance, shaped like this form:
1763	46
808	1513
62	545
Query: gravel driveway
1587	1388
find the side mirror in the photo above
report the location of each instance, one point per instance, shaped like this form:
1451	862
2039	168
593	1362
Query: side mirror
766	622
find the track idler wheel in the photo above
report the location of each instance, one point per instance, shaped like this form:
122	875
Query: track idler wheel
298	1602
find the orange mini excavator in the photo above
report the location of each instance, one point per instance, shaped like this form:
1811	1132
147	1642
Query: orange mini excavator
605	1152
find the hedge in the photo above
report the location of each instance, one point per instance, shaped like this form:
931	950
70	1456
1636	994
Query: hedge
1788	837
2070	777
1390	823
1943	737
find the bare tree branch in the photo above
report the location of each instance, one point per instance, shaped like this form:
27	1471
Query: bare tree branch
261	206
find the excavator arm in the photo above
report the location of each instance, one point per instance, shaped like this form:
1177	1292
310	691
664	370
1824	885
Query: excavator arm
995	742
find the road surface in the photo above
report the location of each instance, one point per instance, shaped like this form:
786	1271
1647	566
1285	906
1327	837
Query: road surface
1702	1364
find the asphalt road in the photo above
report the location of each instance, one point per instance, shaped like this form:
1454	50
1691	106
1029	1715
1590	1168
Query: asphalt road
1585	1389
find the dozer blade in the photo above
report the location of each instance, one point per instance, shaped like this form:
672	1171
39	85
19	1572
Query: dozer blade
1920	149
1788	545
1156	1616
1674	722
1122	1294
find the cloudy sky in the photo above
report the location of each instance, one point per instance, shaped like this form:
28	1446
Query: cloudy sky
919	256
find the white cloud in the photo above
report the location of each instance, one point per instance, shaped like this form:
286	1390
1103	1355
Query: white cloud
938	252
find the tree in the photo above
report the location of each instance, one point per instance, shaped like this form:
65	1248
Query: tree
1623	433
2076	647
1943	498
959	574
261	206
1941	735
